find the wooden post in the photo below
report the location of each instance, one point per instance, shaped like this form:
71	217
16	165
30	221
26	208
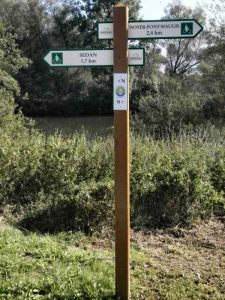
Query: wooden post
121	140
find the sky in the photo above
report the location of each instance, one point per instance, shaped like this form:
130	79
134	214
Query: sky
154	9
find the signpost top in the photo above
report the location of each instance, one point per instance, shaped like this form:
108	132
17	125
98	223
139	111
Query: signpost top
154	29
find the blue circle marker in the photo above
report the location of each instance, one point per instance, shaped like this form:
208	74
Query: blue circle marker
120	91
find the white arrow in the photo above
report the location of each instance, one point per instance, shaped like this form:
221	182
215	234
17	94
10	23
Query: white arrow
91	58
158	29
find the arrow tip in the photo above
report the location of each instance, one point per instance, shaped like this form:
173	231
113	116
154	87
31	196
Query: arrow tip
47	58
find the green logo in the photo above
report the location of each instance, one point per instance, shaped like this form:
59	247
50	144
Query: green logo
57	58
187	28
120	91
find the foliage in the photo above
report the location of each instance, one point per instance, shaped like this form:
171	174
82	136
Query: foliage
43	25
181	83
171	183
169	108
183	55
11	62
55	183
45	267
144	80
213	69
72	266
218	179
58	183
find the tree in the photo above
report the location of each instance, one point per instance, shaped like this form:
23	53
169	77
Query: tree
183	55
173	100
28	21
144	80
212	66
41	25
11	61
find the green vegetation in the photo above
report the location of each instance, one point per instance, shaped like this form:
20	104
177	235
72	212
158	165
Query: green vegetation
51	267
55	183
11	62
171	181
72	266
40	26
64	185
185	86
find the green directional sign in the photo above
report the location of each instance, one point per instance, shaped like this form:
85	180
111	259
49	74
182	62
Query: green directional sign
154	29
91	57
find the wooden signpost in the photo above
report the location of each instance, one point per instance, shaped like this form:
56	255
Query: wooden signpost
121	145
120	31
121	57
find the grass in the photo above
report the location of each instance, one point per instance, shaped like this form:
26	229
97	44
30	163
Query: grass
51	267
177	264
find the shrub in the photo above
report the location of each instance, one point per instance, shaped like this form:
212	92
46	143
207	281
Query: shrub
58	183
218	179
171	183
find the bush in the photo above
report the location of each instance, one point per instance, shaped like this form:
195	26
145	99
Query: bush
218	179
171	183
55	183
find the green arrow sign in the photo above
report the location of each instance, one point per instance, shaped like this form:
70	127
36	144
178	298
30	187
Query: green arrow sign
158	29
91	58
